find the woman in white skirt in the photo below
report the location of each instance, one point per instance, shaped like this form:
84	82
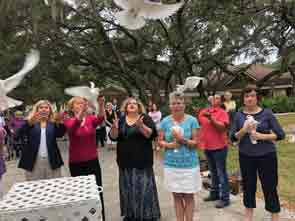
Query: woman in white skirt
178	136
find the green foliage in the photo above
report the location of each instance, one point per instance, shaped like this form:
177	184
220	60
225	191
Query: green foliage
78	45
286	157
196	103
280	104
165	110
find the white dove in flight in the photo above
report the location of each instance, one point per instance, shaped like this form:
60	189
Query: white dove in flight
180	88
189	84
136	11
7	85
89	93
192	82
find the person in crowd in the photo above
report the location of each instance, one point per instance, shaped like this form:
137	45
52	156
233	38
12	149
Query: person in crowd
115	105
41	158
101	135
81	129
210	100
230	106
110	117
257	152
213	136
156	115
8	141
2	119
150	106
178	137
2	162
134	134
17	142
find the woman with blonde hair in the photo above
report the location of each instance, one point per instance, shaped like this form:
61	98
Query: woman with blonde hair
178	137
41	158
230	105
134	134
81	129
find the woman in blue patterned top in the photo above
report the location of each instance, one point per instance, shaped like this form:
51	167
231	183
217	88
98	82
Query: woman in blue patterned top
178	136
256	129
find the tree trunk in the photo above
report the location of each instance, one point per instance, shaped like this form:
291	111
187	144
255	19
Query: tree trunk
292	73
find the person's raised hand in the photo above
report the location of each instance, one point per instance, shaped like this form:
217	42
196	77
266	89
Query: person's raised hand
35	118
139	123
80	114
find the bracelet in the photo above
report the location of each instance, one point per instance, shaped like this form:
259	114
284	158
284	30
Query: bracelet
164	145
184	141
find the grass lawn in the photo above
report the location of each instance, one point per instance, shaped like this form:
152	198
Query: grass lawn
286	120
286	156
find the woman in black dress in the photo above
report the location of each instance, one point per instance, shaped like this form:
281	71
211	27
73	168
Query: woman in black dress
134	134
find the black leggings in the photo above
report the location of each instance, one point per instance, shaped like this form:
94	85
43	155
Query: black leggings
101	136
91	167
267	169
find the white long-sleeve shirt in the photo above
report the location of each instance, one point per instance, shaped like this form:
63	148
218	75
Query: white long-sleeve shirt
156	117
43	144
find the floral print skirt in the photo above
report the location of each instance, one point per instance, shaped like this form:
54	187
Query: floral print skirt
138	194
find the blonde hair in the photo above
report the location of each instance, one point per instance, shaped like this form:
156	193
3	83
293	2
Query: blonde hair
141	108
228	93
36	107
109	104
72	101
18	113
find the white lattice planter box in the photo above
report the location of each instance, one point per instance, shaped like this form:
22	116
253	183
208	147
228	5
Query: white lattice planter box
63	199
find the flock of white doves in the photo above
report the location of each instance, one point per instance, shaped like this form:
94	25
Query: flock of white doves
132	17
135	12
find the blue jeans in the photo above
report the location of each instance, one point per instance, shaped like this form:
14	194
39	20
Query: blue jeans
217	167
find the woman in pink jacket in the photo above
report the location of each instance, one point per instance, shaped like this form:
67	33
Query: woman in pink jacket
81	129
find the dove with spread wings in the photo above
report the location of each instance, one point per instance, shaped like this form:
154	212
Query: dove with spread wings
7	85
189	84
89	93
135	12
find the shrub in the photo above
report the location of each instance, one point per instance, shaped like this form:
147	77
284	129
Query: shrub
281	104
196	102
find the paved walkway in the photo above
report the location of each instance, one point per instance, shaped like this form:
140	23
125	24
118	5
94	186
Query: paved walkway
203	211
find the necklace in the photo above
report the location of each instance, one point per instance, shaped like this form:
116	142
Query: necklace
131	121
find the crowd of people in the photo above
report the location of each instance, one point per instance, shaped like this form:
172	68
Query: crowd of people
134	131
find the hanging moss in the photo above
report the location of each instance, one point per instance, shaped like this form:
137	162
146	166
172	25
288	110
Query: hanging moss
54	10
